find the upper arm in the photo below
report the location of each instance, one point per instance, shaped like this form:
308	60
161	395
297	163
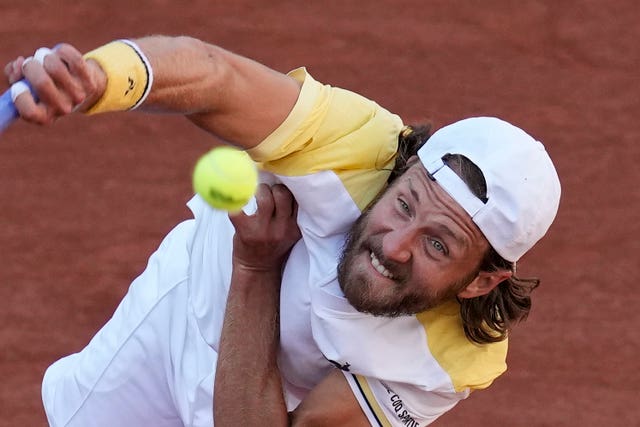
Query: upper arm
330	403
235	98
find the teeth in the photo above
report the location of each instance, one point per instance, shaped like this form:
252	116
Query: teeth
379	267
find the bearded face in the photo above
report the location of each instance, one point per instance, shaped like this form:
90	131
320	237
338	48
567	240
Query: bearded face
412	250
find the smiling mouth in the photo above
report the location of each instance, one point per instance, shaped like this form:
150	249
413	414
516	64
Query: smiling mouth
375	262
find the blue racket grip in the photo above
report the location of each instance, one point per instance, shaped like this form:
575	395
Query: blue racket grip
8	112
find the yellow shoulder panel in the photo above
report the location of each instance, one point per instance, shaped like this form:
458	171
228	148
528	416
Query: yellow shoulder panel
337	130
469	365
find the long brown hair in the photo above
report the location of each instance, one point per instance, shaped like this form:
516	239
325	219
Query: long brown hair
487	318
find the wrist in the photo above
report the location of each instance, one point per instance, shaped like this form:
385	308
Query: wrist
256	280
254	271
126	74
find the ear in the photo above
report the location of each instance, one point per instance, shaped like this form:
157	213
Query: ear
484	283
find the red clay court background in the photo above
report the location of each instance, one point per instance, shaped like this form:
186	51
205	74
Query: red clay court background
85	202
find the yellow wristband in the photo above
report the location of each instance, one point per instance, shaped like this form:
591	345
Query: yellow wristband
129	76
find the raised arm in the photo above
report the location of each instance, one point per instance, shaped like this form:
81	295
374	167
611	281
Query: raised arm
234	98
247	378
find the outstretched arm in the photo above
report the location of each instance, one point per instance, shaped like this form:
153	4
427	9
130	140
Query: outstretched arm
233	97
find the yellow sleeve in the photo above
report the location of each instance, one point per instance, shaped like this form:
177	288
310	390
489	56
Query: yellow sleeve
333	129
470	366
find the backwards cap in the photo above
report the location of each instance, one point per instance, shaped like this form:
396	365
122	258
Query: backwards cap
523	189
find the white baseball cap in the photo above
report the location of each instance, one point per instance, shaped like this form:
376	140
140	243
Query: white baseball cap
523	189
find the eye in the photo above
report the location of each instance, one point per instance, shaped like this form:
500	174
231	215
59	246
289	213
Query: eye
404	206
438	246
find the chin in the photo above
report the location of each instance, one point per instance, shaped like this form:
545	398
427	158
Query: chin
369	295
383	297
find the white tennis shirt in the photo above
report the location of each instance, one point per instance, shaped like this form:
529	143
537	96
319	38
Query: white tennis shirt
153	363
334	152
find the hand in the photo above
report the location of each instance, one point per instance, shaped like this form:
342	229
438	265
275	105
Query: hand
64	82
264	239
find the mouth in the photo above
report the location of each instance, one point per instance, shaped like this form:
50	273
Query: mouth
377	265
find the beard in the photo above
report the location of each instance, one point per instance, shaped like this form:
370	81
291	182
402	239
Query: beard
401	296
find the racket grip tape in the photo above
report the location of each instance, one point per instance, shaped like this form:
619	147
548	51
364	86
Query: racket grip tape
8	111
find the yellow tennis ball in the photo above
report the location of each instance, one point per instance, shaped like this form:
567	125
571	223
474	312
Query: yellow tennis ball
226	178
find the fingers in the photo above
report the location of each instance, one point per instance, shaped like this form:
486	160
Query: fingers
88	81
286	213
51	102
263	240
276	212
59	70
61	78
275	201
13	70
270	201
265	201
284	202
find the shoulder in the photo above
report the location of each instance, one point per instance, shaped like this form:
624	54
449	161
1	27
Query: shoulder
334	128
468	364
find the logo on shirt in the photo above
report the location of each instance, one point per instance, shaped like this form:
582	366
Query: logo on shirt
344	367
400	409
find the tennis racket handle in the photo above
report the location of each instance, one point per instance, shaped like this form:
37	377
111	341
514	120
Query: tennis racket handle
8	112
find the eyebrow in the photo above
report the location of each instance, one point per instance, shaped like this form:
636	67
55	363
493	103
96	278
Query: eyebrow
443	229
414	193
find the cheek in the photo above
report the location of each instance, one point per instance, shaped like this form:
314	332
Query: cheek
430	277
380	224
451	278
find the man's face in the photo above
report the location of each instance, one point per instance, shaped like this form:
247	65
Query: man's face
415	248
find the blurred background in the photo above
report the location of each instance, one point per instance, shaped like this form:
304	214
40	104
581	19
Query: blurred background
86	201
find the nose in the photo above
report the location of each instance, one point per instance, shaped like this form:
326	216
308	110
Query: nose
397	244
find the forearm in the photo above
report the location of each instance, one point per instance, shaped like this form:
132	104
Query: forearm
235	98
187	73
247	381
229	95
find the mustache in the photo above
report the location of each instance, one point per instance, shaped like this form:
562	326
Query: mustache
400	272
